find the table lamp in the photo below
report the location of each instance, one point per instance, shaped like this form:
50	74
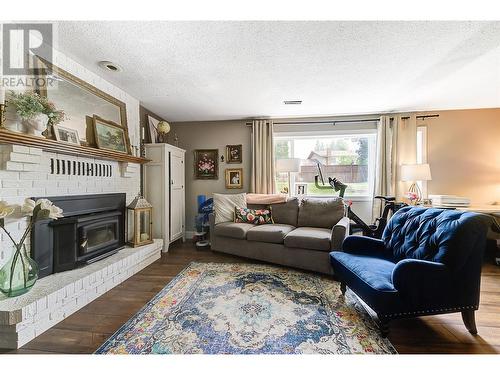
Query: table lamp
289	166
414	173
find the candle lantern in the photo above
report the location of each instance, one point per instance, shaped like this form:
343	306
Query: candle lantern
139	214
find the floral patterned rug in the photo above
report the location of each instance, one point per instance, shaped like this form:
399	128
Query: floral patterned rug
217	308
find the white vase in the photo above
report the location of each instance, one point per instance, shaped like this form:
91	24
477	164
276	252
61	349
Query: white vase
37	125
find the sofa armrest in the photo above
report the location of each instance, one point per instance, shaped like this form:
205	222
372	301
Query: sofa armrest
419	280
339	232
211	221
368	246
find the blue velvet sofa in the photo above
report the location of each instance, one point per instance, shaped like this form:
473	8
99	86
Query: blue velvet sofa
427	262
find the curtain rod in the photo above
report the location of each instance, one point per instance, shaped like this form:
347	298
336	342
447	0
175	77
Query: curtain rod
334	122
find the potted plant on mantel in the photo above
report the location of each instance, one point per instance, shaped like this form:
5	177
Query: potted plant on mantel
36	112
20	273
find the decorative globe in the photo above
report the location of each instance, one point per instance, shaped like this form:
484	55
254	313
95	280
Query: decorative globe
163	127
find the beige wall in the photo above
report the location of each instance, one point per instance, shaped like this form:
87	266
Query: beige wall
464	154
211	135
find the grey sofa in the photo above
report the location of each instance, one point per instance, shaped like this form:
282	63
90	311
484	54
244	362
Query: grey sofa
302	236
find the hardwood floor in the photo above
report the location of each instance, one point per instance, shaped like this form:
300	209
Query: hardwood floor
88	328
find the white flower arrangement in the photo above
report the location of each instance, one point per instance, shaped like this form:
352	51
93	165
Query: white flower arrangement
40	210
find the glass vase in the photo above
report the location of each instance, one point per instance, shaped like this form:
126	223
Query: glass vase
19	274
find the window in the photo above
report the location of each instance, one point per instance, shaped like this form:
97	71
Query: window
421	144
348	156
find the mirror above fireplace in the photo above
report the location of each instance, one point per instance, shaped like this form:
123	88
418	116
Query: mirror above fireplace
80	101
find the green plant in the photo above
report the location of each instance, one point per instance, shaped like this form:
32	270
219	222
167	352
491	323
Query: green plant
30	104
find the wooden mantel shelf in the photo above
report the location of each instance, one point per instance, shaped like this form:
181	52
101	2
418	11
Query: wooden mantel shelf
15	138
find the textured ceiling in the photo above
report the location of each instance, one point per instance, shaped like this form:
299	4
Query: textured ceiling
188	71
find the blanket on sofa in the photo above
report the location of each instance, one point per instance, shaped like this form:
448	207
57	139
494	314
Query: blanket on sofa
253	198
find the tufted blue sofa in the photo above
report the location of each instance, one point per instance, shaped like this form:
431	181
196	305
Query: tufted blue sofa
427	262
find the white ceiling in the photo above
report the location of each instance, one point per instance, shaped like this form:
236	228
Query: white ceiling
189	71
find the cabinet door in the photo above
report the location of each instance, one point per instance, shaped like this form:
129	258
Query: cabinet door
177	195
177	170
177	214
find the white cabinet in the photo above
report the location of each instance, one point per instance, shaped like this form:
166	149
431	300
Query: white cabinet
164	188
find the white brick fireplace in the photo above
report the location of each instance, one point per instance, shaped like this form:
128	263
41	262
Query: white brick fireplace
31	172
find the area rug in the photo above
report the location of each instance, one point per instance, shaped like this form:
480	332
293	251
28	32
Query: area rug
212	308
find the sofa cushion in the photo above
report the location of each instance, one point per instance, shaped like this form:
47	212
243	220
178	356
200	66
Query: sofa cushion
273	233
224	205
286	213
233	230
320	212
375	272
309	238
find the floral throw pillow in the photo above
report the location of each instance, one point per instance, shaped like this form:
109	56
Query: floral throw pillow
249	216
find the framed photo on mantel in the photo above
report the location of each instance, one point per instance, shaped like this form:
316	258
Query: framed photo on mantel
110	136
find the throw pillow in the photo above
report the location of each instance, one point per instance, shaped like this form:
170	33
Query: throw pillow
247	215
224	205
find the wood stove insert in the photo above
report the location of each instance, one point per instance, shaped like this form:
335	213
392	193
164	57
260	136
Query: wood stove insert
93	227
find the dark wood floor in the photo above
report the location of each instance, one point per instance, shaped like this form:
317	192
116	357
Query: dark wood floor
88	328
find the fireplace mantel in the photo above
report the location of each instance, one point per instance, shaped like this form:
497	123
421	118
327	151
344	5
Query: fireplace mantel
15	138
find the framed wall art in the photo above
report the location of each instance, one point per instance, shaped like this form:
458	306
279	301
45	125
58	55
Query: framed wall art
234	154
152	128
234	178
206	164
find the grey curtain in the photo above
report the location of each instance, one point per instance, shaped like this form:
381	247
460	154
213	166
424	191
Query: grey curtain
385	161
262	179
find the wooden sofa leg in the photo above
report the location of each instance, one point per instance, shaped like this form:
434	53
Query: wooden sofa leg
343	288
468	316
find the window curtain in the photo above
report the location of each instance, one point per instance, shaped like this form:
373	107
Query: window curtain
396	145
262	179
407	150
385	161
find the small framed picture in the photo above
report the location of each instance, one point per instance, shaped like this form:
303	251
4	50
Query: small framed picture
300	188
234	154
206	164
110	136
66	135
234	178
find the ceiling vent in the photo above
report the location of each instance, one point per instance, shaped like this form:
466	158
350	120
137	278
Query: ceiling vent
292	102
110	66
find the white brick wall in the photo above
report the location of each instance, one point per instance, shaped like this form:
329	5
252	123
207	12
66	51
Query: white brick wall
24	171
57	296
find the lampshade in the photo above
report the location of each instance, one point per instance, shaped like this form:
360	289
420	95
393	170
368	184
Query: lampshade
415	172
288	165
